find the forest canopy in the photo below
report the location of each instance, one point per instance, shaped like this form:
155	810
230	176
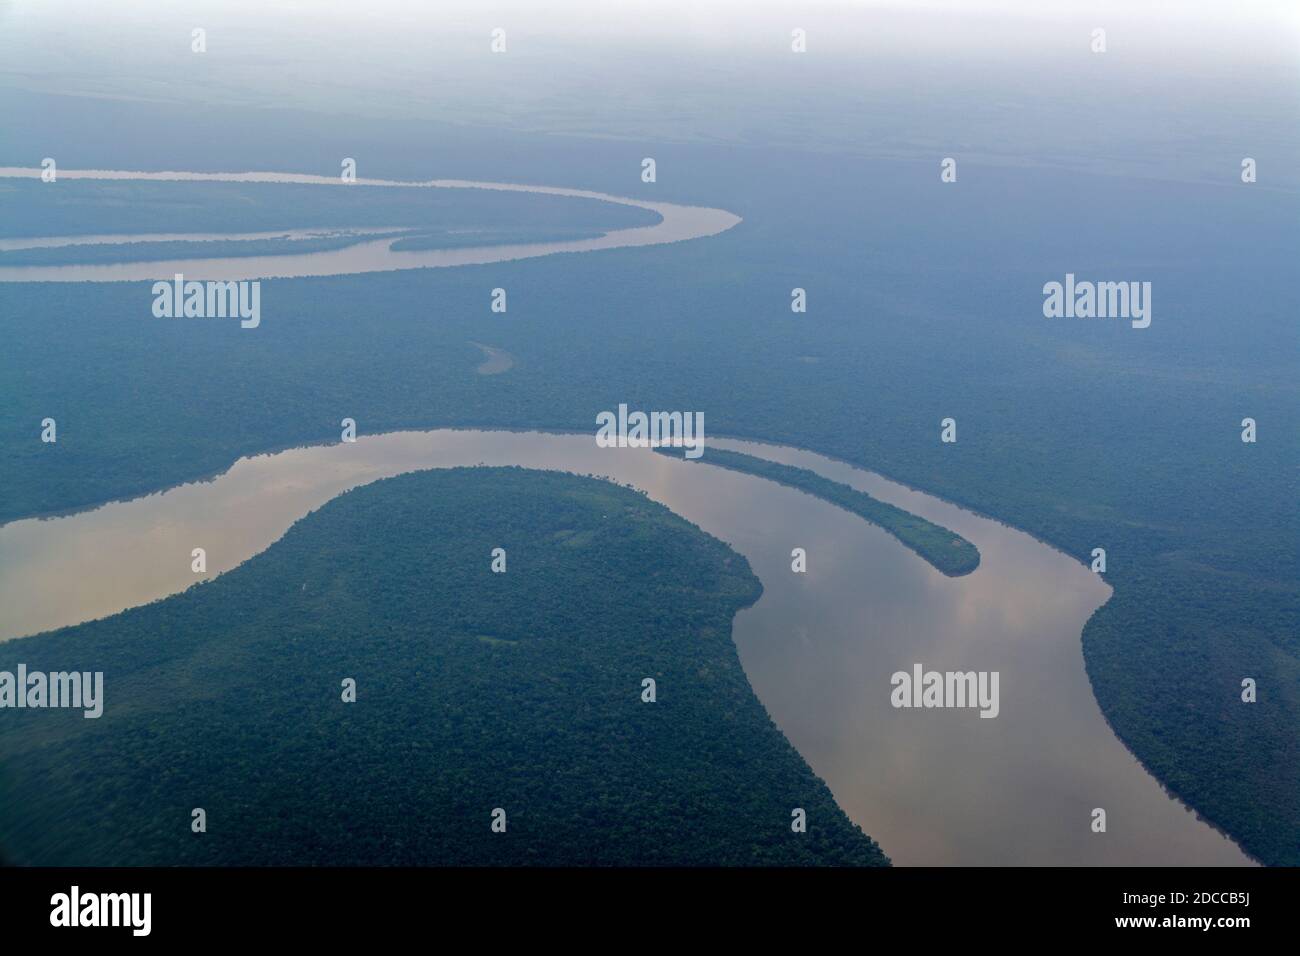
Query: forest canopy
474	690
944	550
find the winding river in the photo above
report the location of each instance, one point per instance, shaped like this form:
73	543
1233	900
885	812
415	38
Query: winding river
677	223
932	786
935	786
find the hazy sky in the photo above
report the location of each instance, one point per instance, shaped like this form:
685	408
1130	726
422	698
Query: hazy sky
1011	81
1189	32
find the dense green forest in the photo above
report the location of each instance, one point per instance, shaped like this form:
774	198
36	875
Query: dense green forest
1201	547
924	302
474	690
945	550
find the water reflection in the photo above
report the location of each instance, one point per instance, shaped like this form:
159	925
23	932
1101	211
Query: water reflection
933	786
677	223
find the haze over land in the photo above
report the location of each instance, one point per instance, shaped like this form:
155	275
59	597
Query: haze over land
924	298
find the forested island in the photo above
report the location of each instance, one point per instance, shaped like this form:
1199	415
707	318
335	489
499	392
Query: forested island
106	253
523	690
945	550
490	237
91	207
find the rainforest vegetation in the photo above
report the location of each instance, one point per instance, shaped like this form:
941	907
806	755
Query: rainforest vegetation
945	550
1084	433
490	237
103	253
474	690
78	207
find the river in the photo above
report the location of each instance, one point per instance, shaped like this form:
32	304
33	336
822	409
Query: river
677	223
939	786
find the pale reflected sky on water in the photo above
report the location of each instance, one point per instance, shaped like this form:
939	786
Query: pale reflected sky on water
932	786
1183	91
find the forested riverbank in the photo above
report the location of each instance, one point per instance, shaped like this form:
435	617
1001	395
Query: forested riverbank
945	551
590	690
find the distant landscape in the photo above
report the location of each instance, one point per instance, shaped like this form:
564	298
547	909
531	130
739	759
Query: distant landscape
924	303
